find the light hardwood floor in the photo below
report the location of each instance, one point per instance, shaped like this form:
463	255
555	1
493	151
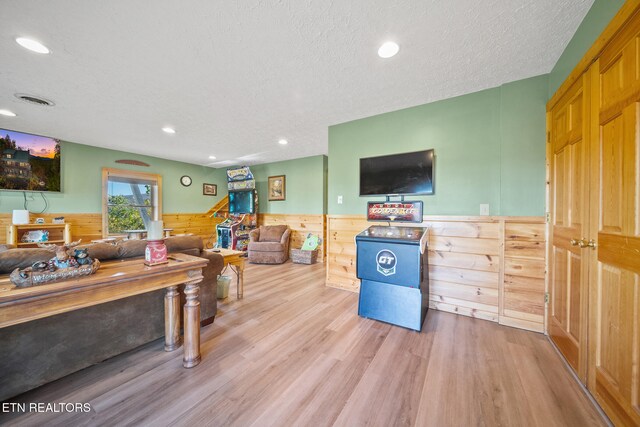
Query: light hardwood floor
294	352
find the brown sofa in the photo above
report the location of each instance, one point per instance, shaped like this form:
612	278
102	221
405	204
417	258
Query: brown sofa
269	244
37	352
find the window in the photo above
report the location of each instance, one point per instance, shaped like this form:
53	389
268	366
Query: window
129	200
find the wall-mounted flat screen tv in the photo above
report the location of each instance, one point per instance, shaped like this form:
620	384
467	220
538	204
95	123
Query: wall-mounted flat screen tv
29	162
405	173
242	202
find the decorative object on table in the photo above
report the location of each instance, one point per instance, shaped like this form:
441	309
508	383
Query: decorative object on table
58	220
185	180
20	217
82	256
64	255
309	252
209	190
66	264
155	230
39	221
156	252
35	236
277	188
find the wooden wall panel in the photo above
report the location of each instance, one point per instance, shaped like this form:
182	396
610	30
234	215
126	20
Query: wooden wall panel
88	226
199	224
465	259
300	226
523	287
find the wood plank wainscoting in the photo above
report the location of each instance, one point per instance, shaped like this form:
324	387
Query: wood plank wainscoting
300	226
487	267
88	226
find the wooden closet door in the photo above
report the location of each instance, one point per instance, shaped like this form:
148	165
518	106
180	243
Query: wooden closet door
569	212
614	339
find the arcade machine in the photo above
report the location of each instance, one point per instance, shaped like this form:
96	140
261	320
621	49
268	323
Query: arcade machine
392	266
233	233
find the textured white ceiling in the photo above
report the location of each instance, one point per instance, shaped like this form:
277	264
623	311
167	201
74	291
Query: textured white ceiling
233	77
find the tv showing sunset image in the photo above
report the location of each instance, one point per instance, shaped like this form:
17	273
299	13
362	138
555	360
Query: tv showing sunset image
29	162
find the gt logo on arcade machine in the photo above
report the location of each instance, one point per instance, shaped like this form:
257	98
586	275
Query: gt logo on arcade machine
386	262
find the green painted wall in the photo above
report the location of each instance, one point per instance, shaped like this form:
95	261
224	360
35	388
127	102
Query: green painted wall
305	186
82	183
469	133
522	153
593	24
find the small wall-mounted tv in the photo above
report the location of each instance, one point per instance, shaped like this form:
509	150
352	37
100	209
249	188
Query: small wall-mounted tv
242	202
29	162
397	174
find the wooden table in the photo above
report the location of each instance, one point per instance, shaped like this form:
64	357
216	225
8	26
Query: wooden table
235	259
116	280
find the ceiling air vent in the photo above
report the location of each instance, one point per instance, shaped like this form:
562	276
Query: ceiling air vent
35	100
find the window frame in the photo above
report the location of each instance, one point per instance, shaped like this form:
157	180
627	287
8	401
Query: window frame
156	194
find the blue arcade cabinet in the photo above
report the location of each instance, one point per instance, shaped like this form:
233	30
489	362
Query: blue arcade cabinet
394	277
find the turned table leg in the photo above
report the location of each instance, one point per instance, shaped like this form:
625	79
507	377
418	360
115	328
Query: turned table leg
171	319
240	279
191	325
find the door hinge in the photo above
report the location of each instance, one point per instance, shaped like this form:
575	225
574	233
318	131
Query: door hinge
546	297
547	217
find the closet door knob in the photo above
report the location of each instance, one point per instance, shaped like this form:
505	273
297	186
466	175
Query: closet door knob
574	242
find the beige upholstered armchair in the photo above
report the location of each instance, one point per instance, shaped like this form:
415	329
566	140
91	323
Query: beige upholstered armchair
269	244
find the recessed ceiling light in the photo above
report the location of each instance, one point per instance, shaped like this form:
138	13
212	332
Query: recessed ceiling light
388	49
32	45
167	129
283	142
212	157
7	113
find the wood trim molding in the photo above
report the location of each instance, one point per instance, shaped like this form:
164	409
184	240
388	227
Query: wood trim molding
106	172
626	12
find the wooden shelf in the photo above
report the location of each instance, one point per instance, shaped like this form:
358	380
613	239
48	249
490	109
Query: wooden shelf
39	226
58	233
35	243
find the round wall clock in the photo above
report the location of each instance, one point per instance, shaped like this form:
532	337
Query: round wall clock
185	180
